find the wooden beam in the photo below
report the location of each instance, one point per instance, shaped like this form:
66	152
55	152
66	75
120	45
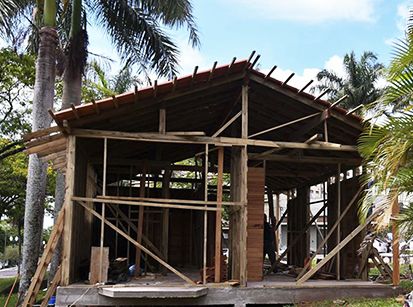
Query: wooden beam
140	222
270	72
227	124
307	159
231	65
67	263
255	61
284	125
165	214
305	100
205	241
115	101
333	228
395	210
218	141
102	225
305	86
250	57
40	133
136	94
218	216
288	79
314	138
321	94
143	248
74	110
162	121
338	233
355	109
155	88
335	250
211	74
97	110
338	101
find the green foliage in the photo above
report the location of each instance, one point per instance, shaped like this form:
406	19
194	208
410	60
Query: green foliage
387	146
11	254
17	73
359	83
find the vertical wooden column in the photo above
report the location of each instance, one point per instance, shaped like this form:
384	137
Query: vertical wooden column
395	243
140	222
102	224
67	267
204	256
338	260
165	217
243	188
218	216
277	218
271	212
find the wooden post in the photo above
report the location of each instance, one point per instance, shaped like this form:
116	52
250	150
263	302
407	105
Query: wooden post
243	189
162	121
140	222
218	215
165	215
67	261
102	224
277	218
338	267
204	276
395	242
271	212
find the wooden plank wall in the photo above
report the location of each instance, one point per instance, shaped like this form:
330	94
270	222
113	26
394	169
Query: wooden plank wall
255	225
348	256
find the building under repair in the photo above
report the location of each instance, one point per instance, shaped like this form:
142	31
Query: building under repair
150	175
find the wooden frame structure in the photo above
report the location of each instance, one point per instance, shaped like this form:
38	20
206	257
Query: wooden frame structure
122	159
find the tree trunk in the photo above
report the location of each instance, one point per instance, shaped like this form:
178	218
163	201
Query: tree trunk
37	171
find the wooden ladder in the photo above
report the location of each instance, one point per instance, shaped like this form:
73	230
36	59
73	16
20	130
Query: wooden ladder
44	262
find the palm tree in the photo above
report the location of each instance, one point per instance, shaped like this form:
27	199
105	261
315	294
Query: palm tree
387	146
359	83
43	98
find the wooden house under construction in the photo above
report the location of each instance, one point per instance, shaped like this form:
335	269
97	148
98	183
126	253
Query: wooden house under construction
163	166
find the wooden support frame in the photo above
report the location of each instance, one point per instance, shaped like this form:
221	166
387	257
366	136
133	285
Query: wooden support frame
338	258
218	216
140	223
227	124
335	250
205	246
102	227
67	266
333	228
165	214
395	210
138	245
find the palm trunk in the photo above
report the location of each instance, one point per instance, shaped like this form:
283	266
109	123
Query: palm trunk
37	170
72	90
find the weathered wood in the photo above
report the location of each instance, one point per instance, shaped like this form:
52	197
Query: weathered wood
218	216
335	250
338	233
205	235
40	133
333	228
218	141
140	223
140	203
395	210
165	214
144	249
102	225
67	264
51	288
227	124
284	125
162	121
307	159
99	264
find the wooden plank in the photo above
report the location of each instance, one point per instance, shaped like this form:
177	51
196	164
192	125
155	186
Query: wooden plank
307	159
218	141
338	233
140	223
227	124
333	228
99	265
102	225
40	133
162	121
205	240
165	214
395	210
144	249
335	250
140	203
67	268
218	216
171	201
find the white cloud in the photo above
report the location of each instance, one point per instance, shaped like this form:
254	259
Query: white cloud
403	14
189	58
313	11
334	63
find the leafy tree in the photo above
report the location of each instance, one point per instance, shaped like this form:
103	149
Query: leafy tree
359	83
387	145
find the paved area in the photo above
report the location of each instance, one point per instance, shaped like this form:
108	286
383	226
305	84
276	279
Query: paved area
9	272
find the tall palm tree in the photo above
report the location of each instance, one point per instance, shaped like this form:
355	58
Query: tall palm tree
359	83
43	98
387	146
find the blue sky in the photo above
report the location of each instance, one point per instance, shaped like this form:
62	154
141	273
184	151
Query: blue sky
303	36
